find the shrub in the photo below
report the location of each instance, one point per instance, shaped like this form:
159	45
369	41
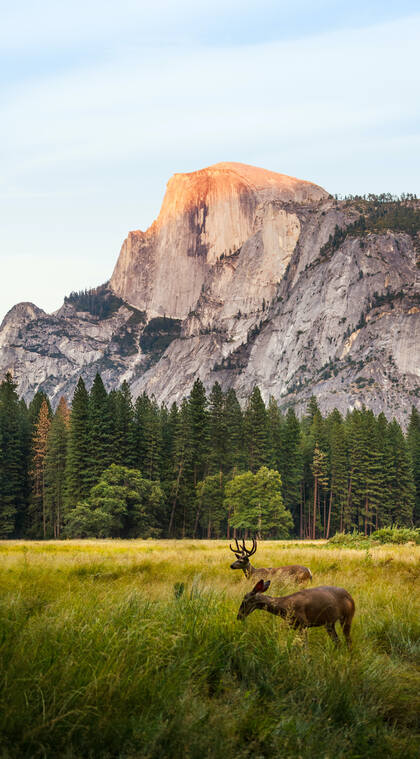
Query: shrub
385	535
396	535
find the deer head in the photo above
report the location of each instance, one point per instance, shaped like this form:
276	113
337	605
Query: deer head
251	599
242	554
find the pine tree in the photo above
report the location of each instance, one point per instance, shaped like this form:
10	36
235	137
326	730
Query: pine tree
55	467
169	425
339	477
181	490
35	407
153	442
413	440
290	467
25	442
235	457
403	488
311	410
77	465
256	432
11	457
199	431
365	470
275	437
319	471
374	475
218	430
384	512
124	452
101	442
39	451
141	410
210	506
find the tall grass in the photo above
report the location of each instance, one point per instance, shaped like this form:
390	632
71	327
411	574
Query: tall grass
132	649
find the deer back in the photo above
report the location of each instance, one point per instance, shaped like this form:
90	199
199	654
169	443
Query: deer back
314	607
294	572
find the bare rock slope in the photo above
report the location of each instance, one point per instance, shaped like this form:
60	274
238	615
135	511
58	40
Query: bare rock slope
244	279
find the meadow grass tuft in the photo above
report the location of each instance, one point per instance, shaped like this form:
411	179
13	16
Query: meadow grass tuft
132	649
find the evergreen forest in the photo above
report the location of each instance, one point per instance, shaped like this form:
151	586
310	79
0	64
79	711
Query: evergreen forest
110	466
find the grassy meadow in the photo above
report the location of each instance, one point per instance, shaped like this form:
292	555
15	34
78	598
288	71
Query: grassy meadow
103	656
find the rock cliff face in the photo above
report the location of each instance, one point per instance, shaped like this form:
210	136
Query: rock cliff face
207	215
236	282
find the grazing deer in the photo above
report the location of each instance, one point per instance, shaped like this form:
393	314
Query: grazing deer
294	571
312	607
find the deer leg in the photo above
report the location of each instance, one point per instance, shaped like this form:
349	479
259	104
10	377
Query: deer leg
330	628
346	630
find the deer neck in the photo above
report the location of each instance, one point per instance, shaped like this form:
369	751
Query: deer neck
248	570
270	604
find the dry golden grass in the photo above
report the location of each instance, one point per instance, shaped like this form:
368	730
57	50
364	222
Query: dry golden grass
101	659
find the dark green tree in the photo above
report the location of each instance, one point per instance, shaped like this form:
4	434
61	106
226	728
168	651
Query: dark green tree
101	442
402	483
22	515
181	501
256	432
39	453
365	470
12	457
413	440
235	454
78	452
141	410
290	466
55	468
210	505
152	462
320	475
311	410
275	424
199	423
124	452
217	431
35	407
338	467
169	425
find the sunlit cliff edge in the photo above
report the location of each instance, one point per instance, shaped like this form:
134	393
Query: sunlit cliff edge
242	279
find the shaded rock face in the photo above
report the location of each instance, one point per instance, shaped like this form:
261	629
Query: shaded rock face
232	284
346	329
50	352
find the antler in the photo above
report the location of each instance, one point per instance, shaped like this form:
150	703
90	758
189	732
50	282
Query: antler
237	549
243	549
249	551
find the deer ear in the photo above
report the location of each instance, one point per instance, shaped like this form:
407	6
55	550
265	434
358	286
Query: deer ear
261	586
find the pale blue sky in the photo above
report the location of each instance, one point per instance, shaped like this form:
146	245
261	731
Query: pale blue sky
102	101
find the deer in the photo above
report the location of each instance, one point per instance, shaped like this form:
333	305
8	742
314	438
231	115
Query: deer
311	607
294	571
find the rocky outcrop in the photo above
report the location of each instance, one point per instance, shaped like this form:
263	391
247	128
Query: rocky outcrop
205	216
243	279
50	352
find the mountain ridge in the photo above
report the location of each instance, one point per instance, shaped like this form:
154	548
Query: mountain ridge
272	282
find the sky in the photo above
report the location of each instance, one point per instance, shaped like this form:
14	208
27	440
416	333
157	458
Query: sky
101	102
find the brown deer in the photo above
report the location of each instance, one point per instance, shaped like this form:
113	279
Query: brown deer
294	571
312	607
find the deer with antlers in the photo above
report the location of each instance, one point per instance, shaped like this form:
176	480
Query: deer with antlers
312	607
294	572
